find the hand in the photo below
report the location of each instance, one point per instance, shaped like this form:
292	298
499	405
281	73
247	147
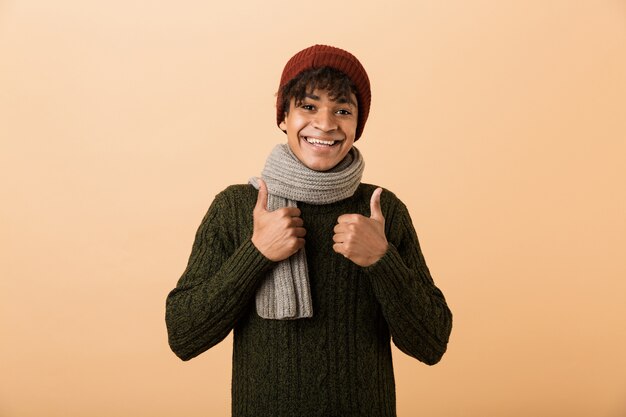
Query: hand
277	234
362	239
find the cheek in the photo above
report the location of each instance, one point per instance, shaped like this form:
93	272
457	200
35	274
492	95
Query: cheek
296	125
350	127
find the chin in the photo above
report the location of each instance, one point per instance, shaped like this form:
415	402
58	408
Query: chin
320	165
315	162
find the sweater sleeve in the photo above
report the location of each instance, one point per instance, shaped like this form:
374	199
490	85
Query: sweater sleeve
216	287
416	312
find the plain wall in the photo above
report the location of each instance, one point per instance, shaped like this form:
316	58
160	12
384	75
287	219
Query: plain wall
501	125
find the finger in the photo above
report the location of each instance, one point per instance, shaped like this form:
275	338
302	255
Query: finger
289	211
261	201
338	247
339	237
299	231
342	228
348	218
376	212
296	222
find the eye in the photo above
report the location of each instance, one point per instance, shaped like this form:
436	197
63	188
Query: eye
307	107
344	112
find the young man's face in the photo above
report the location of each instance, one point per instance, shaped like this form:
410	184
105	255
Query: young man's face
319	119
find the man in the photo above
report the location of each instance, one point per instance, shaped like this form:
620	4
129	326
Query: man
315	272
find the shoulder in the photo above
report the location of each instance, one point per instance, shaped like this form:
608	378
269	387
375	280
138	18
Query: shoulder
230	201
236	194
238	190
230	209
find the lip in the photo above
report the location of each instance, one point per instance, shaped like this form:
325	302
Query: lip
319	149
337	143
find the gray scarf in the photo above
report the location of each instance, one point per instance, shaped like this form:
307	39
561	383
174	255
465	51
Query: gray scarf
286	293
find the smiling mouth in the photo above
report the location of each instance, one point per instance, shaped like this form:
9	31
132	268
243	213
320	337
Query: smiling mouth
320	142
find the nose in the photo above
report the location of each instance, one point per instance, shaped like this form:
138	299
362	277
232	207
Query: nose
324	120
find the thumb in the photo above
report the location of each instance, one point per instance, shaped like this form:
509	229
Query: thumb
261	201
375	210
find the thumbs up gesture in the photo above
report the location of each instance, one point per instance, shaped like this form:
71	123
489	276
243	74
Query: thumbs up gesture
276	234
362	239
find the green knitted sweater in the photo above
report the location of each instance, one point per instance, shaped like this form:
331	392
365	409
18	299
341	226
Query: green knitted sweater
337	363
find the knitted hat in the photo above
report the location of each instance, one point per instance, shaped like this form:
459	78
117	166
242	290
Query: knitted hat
318	56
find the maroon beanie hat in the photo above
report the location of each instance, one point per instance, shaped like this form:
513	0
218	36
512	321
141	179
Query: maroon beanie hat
318	56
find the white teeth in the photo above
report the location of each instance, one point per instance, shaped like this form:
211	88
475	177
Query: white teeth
322	142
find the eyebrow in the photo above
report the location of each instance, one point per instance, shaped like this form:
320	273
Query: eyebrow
340	100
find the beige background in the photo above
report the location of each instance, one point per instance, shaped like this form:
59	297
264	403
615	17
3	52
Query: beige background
501	124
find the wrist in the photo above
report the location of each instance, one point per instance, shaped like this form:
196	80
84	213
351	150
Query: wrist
379	254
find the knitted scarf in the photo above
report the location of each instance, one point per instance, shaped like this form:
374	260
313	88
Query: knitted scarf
286	293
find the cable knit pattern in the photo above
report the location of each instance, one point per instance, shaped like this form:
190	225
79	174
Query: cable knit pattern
336	363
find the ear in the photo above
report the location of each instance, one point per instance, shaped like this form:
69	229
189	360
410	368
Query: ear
283	125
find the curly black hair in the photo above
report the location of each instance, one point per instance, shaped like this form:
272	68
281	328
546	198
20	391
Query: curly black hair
330	79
